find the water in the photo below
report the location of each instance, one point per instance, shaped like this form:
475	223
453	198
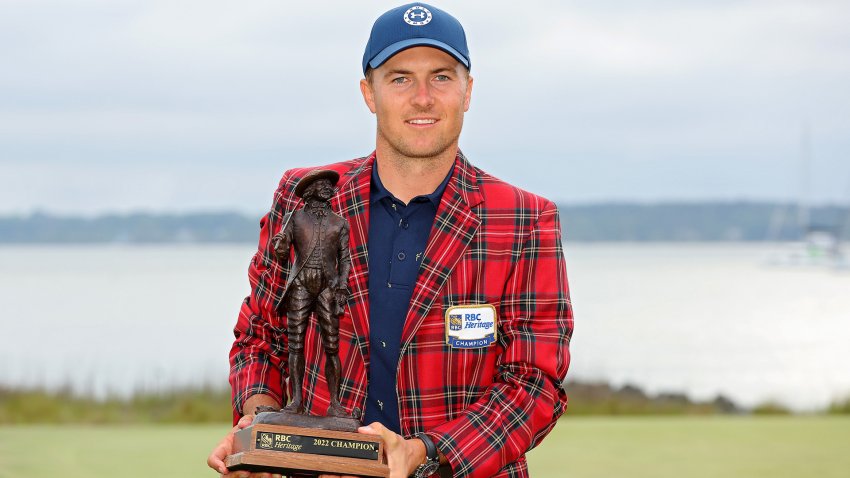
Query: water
709	319
119	318
701	319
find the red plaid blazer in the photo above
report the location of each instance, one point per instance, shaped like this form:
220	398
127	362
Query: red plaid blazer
491	243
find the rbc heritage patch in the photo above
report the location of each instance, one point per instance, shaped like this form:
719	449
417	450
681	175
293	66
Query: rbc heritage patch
471	326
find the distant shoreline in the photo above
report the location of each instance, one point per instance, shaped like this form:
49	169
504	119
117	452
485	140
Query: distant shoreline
602	222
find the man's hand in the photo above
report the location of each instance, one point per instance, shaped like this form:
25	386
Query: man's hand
403	456
225	447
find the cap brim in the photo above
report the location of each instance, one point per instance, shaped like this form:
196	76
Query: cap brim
396	47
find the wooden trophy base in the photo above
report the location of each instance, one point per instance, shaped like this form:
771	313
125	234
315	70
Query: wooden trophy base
290	449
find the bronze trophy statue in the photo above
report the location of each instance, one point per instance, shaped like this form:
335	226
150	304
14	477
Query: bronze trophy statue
290	440
317	282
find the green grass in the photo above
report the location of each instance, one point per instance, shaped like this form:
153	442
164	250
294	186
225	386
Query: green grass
695	447
77	451
20	406
774	447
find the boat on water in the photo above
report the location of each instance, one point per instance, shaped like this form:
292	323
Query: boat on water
817	245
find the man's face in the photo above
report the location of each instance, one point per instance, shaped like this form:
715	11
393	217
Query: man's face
419	97
321	189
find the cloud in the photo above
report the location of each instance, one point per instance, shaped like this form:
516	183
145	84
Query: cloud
641	99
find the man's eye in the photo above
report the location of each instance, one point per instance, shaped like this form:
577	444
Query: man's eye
442	78
399	80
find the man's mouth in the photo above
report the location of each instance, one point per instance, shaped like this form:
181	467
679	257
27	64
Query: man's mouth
421	121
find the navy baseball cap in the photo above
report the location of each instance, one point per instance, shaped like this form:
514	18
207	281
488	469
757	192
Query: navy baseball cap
415	24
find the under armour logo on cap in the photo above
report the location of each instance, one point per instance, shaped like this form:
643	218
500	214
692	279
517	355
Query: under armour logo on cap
417	16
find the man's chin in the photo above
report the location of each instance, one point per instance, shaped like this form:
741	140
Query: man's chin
418	147
423	152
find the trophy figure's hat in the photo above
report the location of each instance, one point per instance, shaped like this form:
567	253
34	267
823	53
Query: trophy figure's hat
314	176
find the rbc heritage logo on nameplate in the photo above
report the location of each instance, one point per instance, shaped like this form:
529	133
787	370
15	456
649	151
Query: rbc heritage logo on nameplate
471	326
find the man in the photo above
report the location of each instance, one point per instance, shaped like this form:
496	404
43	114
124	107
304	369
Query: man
454	343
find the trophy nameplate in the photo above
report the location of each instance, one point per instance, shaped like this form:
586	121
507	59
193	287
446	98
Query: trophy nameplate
284	449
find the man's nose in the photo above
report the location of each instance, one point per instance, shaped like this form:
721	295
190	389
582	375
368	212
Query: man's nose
422	95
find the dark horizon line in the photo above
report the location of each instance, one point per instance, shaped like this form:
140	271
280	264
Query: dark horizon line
561	204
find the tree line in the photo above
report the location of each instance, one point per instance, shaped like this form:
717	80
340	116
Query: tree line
632	222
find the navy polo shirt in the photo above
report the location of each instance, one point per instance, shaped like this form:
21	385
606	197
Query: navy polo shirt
398	234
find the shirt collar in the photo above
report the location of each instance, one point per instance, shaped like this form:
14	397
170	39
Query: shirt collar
380	192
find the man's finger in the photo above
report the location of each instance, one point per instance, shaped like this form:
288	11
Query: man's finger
216	458
225	447
245	421
391	438
216	464
374	428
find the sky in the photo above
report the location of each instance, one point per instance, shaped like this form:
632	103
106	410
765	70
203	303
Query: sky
185	105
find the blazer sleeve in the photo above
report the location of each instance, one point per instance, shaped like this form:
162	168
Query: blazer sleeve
257	359
526	398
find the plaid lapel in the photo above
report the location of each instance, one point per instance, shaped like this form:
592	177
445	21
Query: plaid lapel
454	228
352	202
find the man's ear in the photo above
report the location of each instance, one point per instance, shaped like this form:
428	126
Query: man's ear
368	94
468	95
